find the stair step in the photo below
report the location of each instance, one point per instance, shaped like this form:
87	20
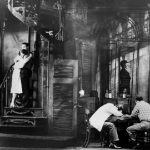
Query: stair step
24	117
23	121
16	126
15	108
36	112
21	129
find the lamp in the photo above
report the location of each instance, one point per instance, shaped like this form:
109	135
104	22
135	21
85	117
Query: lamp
81	92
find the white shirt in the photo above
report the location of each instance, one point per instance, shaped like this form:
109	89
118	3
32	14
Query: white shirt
100	116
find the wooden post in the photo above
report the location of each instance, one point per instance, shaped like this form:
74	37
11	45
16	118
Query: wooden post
115	76
110	67
29	37
137	71
2	49
148	38
132	75
118	69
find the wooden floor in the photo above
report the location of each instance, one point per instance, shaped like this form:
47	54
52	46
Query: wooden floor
69	148
26	142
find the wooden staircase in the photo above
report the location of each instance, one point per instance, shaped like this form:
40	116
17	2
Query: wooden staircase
28	121
23	116
20	120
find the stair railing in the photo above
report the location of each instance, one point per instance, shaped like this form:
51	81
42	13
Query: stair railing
26	117
5	88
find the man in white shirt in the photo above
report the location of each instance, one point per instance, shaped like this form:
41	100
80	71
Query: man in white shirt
99	121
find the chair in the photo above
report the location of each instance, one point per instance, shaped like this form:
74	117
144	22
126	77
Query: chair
103	136
143	136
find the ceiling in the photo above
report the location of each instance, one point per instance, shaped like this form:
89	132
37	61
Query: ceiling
49	16
116	4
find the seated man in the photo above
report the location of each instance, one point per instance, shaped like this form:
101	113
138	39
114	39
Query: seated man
99	121
142	111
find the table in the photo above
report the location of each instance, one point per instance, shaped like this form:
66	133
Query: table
121	124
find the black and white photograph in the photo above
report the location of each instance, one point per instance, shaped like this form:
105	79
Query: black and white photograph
74	74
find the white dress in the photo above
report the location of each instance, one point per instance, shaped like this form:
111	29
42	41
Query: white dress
16	86
16	82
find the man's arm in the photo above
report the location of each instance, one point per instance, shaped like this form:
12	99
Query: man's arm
20	64
114	110
134	112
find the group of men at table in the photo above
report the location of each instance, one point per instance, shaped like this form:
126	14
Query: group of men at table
141	110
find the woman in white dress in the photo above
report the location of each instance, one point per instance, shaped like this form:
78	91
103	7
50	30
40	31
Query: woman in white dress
21	59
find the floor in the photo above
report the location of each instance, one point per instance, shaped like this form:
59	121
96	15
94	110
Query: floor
92	146
69	148
22	142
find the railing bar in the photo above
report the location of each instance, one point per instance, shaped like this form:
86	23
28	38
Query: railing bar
9	70
2	96
6	96
23	117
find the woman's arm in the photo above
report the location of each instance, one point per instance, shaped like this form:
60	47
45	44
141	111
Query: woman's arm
20	64
16	59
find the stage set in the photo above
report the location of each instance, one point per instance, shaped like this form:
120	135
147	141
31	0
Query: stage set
99	49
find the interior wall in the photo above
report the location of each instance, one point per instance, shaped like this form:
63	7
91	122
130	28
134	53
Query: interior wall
138	67
143	81
15	33
133	46
80	43
131	58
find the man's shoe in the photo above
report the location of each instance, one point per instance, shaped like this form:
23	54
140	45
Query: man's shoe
112	145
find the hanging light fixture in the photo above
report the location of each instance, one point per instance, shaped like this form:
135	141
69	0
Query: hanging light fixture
60	34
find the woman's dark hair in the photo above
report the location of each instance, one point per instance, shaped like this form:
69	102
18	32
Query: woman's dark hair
25	52
25	43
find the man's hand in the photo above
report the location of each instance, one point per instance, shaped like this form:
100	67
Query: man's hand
120	118
126	116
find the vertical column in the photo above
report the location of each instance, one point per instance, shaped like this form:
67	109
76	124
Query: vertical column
115	73
2	49
137	71
148	38
118	48
32	38
110	67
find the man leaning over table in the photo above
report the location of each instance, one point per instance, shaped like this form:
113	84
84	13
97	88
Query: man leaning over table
142	111
99	121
